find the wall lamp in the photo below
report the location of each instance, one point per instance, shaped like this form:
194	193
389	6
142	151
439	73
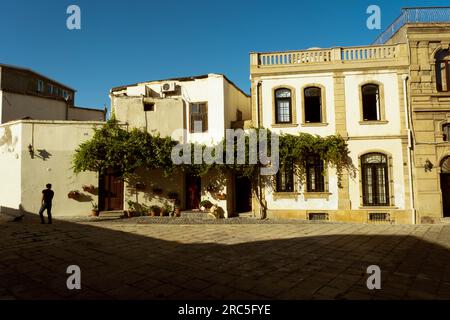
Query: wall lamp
31	150
428	166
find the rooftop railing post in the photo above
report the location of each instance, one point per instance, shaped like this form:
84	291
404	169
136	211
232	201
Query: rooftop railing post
415	15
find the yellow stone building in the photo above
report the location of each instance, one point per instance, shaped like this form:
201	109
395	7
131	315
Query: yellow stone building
389	100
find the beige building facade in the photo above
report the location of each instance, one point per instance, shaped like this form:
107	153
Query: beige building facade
36	152
26	94
389	101
429	95
190	110
324	89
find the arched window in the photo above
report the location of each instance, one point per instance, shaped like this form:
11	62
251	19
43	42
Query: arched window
283	106
442	70
446	132
313	105
371	102
375	180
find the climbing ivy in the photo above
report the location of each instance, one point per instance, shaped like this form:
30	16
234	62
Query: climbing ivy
113	146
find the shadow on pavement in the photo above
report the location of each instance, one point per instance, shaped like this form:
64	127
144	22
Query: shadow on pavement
125	265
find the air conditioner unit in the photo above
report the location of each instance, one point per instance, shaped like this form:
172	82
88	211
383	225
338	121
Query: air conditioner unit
168	87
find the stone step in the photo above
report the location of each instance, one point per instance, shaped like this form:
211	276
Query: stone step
445	220
111	214
250	214
195	214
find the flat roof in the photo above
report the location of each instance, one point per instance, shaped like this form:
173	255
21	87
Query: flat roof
68	122
181	79
2	65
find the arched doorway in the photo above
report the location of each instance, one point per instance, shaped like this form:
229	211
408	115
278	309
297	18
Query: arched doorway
445	186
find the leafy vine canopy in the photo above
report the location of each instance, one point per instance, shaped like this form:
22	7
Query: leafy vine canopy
114	146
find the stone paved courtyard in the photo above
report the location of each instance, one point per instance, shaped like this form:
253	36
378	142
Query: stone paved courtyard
132	259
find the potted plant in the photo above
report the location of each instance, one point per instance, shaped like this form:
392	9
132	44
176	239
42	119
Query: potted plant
205	205
95	211
177	209
74	194
154	211
216	211
131	208
221	196
165	210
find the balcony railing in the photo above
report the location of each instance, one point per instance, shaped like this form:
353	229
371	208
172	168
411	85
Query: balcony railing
414	15
325	55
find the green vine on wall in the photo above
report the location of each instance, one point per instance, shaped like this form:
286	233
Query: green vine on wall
112	146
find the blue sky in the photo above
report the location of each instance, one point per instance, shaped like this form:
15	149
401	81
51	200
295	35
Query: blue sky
123	42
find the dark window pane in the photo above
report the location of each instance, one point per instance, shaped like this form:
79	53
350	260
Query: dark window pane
375	180
283	106
315	181
149	106
285	178
198	117
443	70
446	132
371	103
313	105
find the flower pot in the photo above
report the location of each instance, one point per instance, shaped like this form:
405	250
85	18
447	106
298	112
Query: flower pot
221	197
95	213
177	212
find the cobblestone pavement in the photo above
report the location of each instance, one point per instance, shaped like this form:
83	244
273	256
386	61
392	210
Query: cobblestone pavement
132	259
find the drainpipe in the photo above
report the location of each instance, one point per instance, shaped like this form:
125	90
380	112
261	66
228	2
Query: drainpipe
262	213
410	144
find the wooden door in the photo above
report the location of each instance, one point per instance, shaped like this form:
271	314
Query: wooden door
445	188
111	192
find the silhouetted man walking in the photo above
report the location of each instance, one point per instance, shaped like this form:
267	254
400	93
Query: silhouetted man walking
47	197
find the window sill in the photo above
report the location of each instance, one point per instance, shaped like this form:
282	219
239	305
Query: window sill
317	195
285	195
378	207
314	124
371	123
284	125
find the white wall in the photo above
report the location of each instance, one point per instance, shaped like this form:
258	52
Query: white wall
23	177
57	140
298	82
17	106
300	203
390	147
235	100
392	103
10	167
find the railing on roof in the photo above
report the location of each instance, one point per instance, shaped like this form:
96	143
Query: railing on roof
414	15
344	54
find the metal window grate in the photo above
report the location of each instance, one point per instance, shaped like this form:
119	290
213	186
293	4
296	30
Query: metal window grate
379	217
318	216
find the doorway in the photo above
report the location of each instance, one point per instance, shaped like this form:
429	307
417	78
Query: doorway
243	192
193	192
110	191
445	186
